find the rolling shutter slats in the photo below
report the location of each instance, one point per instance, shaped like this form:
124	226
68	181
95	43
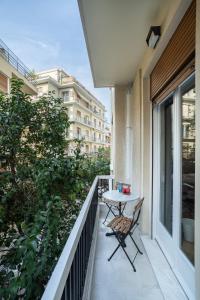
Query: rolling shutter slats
3	83
178	53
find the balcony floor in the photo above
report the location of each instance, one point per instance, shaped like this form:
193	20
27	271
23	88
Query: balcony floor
116	279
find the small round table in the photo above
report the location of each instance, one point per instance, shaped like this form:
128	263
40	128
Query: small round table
115	195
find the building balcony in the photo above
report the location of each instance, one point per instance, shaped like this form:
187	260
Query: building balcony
83	270
86	122
85	107
88	138
15	62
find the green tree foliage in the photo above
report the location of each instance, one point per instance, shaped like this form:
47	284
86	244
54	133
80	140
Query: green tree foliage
41	189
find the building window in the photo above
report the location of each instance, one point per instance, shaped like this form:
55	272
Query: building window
78	116
87	149
78	133
40	90
66	96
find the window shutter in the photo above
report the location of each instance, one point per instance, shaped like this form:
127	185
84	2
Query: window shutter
3	83
177	60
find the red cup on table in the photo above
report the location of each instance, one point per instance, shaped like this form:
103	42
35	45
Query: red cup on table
126	190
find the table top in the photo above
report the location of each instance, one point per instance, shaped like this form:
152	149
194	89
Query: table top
115	195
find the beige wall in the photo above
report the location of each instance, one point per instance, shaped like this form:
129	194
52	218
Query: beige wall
140	139
141	114
11	72
119	127
135	115
51	88
141	122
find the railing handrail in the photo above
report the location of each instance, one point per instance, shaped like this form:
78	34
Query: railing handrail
15	62
56	283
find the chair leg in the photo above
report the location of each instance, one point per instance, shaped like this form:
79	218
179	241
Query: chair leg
134	269
138	249
121	243
114	252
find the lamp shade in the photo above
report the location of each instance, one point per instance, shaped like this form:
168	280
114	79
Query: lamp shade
153	36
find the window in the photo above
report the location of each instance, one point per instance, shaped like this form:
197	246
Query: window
66	96
78	130
86	119
78	115
40	90
87	134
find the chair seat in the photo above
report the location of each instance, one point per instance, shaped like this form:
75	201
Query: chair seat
121	224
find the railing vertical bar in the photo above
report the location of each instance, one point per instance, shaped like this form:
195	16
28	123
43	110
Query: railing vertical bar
75	281
82	271
79	275
70	285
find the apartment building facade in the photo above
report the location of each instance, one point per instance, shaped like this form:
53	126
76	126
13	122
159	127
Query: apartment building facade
154	78
12	67
86	113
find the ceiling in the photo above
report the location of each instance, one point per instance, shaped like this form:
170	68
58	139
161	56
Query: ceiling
115	33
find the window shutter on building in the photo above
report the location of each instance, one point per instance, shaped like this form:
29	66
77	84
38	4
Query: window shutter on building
177	61
3	83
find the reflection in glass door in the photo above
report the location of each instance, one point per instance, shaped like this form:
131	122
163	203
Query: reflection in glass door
188	171
166	191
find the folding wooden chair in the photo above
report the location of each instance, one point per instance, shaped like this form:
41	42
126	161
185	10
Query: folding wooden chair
113	206
123	227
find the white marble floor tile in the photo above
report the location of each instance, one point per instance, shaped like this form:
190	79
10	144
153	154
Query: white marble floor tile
115	280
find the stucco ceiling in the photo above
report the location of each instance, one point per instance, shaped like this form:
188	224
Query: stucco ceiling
115	33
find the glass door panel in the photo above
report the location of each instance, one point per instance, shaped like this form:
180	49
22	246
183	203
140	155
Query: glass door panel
188	171
166	192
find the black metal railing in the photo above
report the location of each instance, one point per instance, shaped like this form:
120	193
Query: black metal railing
103	186
13	60
68	280
74	286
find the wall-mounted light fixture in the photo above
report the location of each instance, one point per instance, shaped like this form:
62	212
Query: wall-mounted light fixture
153	36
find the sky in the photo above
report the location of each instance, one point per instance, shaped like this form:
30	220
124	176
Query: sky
46	34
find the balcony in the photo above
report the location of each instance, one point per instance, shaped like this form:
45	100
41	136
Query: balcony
85	107
86	122
83	272
14	61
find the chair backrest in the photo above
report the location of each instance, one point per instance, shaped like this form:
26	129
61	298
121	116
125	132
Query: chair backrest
137	211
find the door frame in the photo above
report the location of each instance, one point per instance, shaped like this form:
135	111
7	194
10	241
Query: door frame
170	245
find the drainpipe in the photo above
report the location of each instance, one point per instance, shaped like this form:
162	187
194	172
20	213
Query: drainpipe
128	173
113	129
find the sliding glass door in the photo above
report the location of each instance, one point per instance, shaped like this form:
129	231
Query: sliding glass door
188	98
174	180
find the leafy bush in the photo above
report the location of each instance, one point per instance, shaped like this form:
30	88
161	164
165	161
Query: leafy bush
41	189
